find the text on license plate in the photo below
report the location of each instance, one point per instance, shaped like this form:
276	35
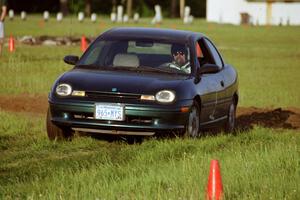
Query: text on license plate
109	112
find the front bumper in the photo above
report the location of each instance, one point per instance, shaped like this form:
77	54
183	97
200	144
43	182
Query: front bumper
140	119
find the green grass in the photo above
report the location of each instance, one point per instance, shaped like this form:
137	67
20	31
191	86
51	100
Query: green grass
33	69
260	163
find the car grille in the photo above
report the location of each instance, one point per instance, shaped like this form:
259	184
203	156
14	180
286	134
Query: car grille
112	95
128	119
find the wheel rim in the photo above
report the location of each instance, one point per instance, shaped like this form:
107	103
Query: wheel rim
193	126
231	116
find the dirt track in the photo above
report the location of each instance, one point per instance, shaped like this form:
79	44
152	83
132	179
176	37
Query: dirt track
247	117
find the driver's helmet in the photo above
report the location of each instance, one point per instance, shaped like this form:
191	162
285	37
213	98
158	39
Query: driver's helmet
178	48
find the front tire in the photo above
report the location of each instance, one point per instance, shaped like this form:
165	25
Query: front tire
231	118
192	128
54	132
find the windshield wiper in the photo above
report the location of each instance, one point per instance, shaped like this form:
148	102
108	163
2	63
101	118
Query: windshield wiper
91	66
88	66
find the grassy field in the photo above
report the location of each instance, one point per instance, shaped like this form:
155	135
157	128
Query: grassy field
260	163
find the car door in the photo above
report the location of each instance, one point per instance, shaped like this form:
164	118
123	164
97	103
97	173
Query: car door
209	85
222	100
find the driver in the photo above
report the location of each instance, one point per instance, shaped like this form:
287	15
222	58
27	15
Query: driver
180	61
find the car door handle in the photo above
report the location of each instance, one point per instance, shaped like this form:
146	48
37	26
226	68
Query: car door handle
222	83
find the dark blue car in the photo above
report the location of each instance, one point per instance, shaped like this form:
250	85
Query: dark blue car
144	81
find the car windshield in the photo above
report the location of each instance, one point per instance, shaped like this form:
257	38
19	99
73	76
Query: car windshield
138	55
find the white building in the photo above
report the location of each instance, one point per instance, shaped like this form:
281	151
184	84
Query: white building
261	13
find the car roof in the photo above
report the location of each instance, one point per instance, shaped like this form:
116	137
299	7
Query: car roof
150	33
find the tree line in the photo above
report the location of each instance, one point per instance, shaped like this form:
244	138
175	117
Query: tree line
145	8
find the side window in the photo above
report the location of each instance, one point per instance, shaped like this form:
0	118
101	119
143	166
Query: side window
203	56
214	54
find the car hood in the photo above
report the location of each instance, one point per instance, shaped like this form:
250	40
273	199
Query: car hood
121	81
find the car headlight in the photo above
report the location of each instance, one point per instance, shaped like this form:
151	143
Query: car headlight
63	89
165	96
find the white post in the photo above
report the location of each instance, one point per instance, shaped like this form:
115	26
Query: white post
11	14
23	15
187	17
46	16
59	17
113	17
136	17
119	13
187	11
94	17
80	16
125	18
158	16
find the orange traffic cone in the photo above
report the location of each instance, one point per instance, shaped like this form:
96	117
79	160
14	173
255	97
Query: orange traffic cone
214	186
83	43
11	44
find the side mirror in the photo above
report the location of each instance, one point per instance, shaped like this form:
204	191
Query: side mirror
71	60
208	69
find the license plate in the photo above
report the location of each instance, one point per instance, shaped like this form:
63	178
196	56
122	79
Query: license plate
113	112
